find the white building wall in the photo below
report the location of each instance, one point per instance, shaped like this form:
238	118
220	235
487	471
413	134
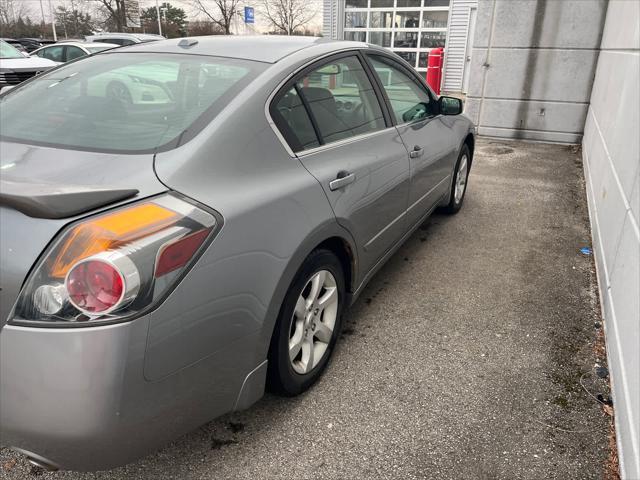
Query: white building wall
532	67
456	45
611	151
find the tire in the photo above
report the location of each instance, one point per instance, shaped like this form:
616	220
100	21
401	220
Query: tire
462	169
119	91
306	325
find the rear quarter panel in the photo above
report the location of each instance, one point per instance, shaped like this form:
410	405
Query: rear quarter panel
274	214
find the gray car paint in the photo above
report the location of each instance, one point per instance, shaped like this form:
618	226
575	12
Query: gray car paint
97	397
373	207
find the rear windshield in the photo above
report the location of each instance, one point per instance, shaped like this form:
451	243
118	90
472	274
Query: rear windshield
124	102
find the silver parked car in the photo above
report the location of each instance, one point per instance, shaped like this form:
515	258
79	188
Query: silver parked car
167	253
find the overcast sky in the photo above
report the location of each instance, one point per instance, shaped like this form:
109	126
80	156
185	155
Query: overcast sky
33	8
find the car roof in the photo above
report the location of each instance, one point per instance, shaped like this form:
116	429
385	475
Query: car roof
139	36
81	44
96	44
262	48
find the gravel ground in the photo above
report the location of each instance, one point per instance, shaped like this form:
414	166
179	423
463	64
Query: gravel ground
463	358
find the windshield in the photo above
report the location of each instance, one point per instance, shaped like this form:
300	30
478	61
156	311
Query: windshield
124	102
9	51
96	49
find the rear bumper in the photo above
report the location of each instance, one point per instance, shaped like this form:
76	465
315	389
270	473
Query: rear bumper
77	398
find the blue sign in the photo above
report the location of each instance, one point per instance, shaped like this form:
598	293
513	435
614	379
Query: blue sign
249	15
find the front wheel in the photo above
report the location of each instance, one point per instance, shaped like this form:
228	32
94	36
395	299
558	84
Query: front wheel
308	324
459	186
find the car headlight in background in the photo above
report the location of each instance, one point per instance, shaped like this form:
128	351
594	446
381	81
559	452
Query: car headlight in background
115	265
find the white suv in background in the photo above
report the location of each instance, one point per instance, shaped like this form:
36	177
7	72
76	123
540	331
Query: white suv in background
16	68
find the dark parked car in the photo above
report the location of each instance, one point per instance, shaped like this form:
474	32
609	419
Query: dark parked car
31	44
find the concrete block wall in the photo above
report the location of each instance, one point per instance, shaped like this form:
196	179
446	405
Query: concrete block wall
533	66
611	153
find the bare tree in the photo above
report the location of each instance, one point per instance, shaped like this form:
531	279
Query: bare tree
220	12
288	16
115	13
11	11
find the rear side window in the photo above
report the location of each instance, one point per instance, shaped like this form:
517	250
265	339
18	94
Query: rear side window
295	123
74	52
55	54
330	103
342	100
124	102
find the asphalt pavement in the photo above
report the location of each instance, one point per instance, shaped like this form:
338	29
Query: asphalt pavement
470	355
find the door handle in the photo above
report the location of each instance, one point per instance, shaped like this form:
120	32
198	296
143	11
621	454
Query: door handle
342	180
416	152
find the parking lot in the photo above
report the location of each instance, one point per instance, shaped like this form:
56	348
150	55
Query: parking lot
469	355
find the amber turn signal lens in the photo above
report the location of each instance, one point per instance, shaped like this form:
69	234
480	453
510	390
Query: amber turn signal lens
108	232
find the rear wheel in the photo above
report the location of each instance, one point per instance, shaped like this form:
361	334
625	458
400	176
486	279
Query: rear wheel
119	91
308	324
459	186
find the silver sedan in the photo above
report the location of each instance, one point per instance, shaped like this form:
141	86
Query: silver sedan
183	223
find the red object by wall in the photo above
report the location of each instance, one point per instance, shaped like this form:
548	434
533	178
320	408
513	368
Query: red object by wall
434	69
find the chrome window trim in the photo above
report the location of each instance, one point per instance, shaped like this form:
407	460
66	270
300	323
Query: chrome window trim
344	141
274	127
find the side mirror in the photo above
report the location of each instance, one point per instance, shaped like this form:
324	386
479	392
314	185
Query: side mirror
450	106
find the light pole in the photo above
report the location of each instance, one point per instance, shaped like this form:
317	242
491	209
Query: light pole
164	18
43	22
158	13
53	22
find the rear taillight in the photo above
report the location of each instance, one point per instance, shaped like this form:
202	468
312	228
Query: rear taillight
116	265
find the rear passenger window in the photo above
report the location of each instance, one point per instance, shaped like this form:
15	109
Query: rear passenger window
54	54
341	100
294	123
74	52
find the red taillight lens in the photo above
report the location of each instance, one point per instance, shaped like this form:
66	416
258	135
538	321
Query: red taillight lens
176	255
94	286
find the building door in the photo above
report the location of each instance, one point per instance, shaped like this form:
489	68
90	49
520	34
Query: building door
469	50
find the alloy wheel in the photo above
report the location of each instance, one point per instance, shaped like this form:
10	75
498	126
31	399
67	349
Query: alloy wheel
461	179
313	322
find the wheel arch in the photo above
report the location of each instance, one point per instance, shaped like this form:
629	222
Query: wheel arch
346	254
470	142
330	236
